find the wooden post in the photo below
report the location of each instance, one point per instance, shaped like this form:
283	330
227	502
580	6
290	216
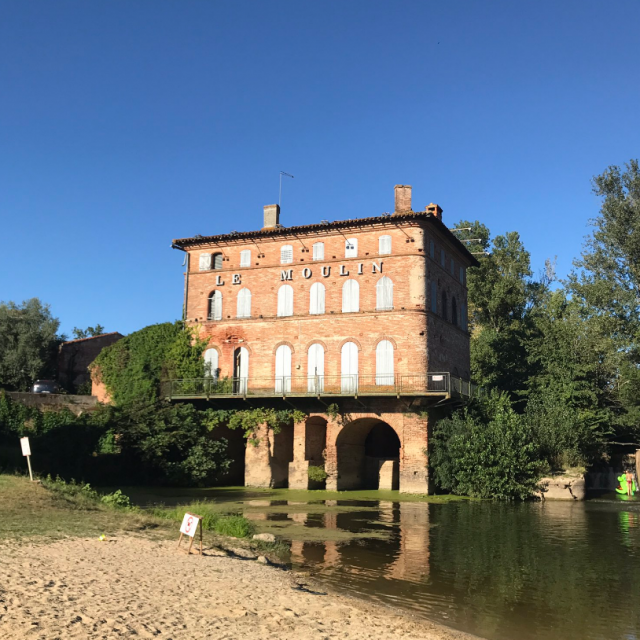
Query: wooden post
29	465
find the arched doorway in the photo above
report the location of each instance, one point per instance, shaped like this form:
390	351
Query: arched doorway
368	452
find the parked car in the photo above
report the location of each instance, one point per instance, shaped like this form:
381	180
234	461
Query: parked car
45	386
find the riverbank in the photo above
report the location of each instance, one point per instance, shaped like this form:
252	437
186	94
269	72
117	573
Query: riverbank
58	579
132	586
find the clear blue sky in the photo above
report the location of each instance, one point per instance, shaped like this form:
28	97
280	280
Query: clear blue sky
126	124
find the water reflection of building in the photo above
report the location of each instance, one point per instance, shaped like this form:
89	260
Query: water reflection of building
368	314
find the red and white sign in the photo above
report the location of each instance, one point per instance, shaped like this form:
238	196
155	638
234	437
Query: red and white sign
189	524
26	449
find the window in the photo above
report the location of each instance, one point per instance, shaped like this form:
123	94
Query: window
244	303
349	368
462	275
217	261
215	306
318	251
442	258
240	370
434	296
350	296
315	368
463	317
384	363
283	369
432	249
453	267
316	298
443	305
384	294
384	245
454	311
245	258
351	248
285	300
211	363
205	261
286	254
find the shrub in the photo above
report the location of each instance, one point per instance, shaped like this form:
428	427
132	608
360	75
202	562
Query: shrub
487	451
316	474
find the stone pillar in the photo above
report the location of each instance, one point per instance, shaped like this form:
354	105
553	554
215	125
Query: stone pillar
414	475
388	474
331	460
298	469
257	460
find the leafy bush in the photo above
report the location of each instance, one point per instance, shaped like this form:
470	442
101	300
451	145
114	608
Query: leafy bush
230	524
316	474
83	495
487	451
116	500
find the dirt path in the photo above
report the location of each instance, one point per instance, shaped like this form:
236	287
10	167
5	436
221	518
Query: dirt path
132	587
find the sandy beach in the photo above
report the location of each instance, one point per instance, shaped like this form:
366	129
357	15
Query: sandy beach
130	586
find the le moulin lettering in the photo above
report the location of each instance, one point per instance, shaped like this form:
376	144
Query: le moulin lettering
307	272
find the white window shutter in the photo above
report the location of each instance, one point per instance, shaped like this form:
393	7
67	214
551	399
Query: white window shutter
384	245
211	363
205	261
434	296
349	367
318	251
245	258
285	300
350	296
215	306
283	369
244	303
315	368
286	254
217	261
351	248
316	298
384	294
384	363
242	371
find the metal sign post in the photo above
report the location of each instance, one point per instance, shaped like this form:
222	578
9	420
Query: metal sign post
26	451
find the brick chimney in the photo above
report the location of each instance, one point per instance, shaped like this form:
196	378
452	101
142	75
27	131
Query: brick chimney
403	198
271	216
434	210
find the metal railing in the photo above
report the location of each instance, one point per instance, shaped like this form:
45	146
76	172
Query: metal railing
443	384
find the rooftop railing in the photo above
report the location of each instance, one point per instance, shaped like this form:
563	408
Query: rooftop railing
439	384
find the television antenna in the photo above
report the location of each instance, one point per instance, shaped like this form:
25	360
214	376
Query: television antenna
282	173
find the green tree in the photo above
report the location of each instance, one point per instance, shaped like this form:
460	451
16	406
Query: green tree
28	343
89	332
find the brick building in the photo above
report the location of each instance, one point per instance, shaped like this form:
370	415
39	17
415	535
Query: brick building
367	314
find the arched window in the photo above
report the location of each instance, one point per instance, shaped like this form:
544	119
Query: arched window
245	258
215	306
384	363
443	305
316	298
286	254
318	251
217	261
211	369
349	367
454	311
240	370
283	369
384	294
244	303
285	300
351	248
315	368
434	296
384	245
350	296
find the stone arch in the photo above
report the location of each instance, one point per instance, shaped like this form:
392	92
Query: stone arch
320	342
356	342
379	339
284	342
368	455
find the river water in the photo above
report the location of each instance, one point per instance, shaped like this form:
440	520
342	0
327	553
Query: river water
525	571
